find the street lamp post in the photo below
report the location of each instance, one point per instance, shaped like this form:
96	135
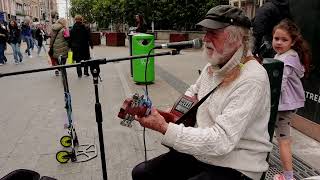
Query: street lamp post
67	12
50	17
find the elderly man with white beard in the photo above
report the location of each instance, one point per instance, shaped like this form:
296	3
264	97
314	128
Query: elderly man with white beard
230	139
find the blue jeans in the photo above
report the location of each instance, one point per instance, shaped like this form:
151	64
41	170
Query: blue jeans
29	42
16	52
34	42
42	46
2	57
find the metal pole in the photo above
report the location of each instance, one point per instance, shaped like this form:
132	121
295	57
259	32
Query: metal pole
67	12
50	19
39	11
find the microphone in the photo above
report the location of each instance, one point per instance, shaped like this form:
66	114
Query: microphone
196	43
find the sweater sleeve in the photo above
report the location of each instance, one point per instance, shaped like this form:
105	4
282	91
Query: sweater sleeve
287	71
224	135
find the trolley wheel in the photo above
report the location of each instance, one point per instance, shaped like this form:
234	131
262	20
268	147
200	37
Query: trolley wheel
65	141
63	156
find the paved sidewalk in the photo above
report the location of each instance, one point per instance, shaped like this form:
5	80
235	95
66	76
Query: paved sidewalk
32	115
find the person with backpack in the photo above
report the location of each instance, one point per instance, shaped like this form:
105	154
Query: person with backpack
268	16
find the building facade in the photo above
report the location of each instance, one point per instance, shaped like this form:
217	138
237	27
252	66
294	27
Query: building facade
249	6
37	10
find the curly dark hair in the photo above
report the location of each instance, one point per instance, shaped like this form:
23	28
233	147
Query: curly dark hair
300	45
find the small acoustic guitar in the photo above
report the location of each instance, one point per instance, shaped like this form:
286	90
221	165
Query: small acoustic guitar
140	106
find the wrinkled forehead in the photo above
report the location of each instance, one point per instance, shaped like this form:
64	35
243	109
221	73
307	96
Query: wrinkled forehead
214	34
214	31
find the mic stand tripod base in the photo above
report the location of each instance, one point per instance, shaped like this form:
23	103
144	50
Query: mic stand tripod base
86	152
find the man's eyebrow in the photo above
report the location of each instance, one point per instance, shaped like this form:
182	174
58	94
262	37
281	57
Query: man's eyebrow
213	31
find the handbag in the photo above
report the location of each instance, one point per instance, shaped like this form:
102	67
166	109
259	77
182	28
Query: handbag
50	52
70	57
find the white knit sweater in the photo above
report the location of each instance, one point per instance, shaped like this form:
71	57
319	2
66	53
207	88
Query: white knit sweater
232	124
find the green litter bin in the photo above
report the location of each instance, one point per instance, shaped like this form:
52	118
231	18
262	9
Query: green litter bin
141	45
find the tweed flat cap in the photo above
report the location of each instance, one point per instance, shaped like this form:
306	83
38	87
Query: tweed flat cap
224	15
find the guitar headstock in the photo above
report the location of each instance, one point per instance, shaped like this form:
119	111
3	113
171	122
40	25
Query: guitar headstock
137	105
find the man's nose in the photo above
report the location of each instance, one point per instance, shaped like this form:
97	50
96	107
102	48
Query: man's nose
206	38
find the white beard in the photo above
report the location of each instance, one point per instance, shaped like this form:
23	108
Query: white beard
216	58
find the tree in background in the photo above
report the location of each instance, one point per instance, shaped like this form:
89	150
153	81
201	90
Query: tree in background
166	14
84	8
110	12
169	14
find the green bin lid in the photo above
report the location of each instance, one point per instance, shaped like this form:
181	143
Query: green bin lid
143	36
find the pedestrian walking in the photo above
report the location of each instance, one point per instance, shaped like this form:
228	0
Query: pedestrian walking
40	36
59	41
15	41
293	51
27	35
33	37
80	42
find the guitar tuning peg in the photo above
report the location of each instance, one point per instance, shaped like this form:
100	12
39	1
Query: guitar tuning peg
123	123
135	96
129	124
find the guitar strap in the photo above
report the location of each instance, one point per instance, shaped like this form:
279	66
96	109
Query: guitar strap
193	110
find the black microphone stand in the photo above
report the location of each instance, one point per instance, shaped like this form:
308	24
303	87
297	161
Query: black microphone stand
95	71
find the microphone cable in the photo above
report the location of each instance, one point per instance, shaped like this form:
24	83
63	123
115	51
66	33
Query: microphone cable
147	94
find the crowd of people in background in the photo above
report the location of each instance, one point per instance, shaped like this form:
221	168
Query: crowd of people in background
13	34
63	39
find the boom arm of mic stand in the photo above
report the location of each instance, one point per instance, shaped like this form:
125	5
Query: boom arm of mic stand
99	61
